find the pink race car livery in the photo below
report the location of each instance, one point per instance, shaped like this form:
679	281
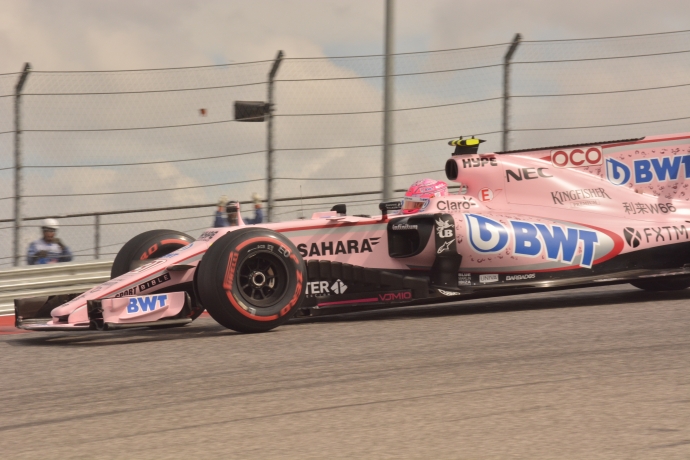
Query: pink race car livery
521	221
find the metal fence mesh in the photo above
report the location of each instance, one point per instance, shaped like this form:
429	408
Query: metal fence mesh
95	142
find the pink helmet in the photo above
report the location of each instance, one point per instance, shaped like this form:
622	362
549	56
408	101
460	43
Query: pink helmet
417	196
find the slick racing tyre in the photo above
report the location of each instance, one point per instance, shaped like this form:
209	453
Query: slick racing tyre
151	245
252	280
145	247
662	284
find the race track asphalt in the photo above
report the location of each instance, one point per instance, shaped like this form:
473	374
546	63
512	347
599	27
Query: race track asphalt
585	374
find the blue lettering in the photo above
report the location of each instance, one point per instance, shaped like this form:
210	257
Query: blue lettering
132	307
558	246
526	241
616	172
486	235
686	163
162	299
643	172
666	166
147	303
589	239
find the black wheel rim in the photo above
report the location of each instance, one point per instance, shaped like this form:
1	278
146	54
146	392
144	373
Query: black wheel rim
263	279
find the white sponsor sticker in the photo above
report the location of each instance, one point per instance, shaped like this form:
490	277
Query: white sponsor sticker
488	279
528	276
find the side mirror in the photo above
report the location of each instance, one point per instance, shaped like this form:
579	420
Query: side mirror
389	206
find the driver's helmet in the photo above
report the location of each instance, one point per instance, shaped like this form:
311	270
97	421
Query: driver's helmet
417	196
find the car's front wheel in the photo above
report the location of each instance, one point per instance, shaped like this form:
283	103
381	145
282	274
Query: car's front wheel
149	246
251	280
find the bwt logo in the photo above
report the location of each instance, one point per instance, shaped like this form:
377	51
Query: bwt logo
489	236
646	170
147	303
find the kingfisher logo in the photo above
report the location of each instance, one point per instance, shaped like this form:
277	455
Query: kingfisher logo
560	243
147	303
645	170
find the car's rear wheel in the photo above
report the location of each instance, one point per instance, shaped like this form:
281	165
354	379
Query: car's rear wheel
149	246
662	284
252	280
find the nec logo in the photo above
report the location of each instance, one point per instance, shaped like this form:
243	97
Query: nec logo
147	303
527	174
577	158
393	296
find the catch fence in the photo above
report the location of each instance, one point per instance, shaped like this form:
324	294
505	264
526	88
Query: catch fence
122	152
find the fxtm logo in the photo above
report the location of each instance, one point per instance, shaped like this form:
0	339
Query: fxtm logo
561	243
147	303
527	174
646	170
322	288
577	158
341	247
632	237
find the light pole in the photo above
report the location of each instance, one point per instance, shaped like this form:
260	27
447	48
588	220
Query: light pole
388	106
18	160
258	111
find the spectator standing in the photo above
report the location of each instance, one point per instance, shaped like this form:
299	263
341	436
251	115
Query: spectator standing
231	209
49	249
258	212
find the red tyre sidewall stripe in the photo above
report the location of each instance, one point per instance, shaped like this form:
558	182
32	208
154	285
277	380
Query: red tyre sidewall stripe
230	274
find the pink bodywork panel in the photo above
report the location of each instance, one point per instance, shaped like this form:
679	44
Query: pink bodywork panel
597	192
142	308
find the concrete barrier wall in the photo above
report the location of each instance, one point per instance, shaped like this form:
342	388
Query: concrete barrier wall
51	279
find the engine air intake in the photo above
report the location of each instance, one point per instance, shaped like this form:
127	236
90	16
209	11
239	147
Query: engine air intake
452	169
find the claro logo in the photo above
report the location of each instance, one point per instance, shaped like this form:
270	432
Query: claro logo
577	158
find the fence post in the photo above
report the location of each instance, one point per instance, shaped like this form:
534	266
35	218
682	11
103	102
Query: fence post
506	89
97	234
18	161
388	105
269	140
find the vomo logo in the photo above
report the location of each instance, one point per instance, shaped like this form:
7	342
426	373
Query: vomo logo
560	243
646	170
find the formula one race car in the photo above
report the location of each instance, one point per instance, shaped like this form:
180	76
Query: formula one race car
522	221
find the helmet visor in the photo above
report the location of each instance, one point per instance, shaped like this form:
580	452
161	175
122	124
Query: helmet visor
414	204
